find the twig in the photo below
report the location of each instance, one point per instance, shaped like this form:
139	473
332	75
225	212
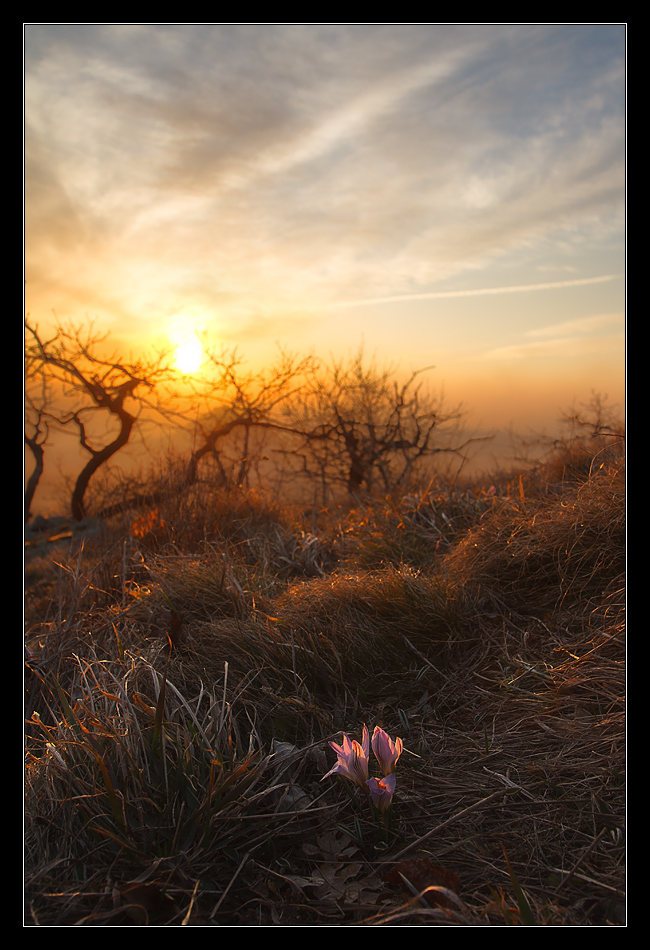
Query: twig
186	918
449	821
565	880
508	781
231	882
428	662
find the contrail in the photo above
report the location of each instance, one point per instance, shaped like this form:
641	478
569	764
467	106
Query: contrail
439	294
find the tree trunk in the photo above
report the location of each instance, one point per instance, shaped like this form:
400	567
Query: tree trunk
39	457
97	460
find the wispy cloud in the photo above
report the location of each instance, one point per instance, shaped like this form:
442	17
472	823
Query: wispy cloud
284	166
593	333
584	325
487	291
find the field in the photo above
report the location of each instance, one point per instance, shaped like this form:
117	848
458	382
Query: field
187	668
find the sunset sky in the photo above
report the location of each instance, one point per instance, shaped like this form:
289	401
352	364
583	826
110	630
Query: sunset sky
448	195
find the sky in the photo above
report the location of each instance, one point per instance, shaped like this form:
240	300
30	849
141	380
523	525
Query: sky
446	195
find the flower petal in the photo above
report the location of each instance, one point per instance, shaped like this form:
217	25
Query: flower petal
352	758
382	791
386	751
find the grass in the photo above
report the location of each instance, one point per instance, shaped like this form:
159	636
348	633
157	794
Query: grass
186	671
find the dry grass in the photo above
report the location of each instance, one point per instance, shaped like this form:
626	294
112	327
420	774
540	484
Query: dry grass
551	550
185	687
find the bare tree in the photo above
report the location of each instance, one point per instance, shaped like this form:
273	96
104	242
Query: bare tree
228	412
590	432
351	424
92	387
239	406
594	421
37	425
364	429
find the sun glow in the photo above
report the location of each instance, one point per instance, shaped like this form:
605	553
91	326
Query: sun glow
189	356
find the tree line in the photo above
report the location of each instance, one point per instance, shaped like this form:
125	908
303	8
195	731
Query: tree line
343	425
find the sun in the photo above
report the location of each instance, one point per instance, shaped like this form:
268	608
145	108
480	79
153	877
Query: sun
186	333
189	356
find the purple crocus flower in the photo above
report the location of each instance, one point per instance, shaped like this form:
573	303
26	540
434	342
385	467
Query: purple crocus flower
352	758
382	791
386	751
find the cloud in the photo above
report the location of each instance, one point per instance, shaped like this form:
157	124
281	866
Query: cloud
490	291
282	165
582	325
584	335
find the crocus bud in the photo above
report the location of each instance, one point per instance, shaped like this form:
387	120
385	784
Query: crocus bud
386	751
382	791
